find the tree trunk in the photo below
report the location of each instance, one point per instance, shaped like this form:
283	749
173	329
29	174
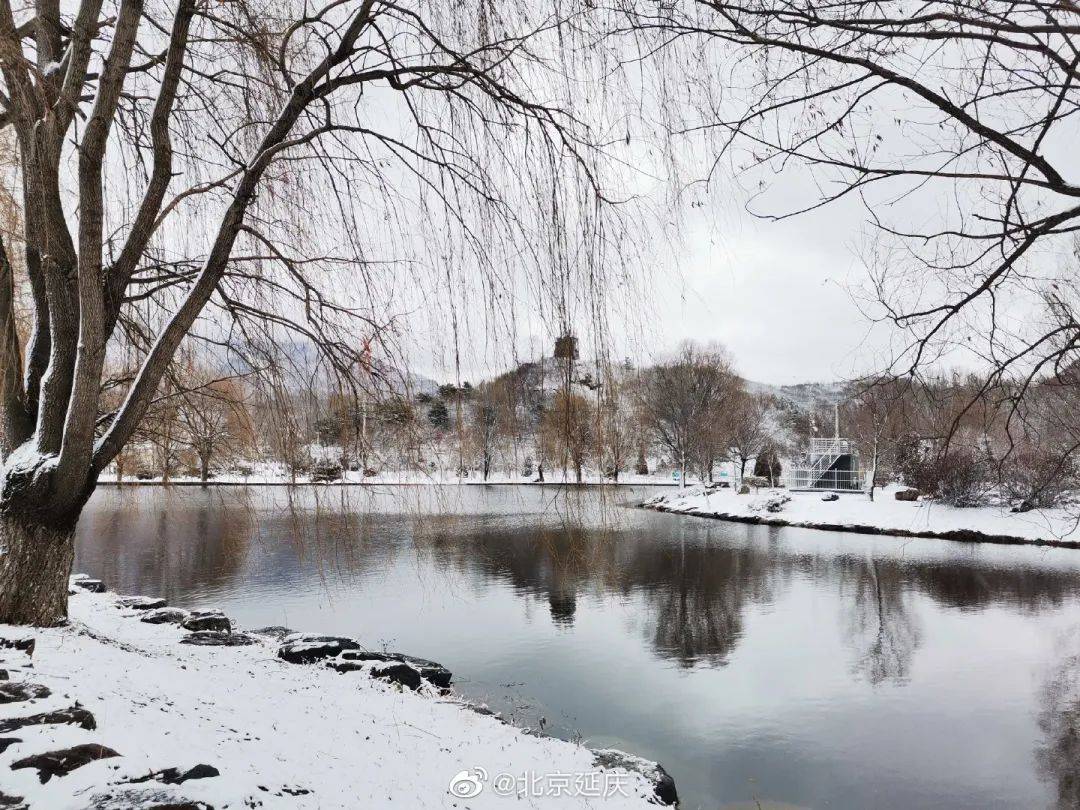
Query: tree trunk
204	469
34	572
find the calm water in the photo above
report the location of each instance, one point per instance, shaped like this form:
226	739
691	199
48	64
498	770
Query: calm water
780	666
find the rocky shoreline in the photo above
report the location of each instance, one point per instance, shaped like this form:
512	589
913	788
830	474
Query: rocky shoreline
50	729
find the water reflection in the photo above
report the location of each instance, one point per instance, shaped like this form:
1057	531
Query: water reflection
170	546
1058	754
884	631
760	664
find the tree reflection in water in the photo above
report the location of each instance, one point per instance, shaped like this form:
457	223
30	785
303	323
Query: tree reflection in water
1058	755
884	632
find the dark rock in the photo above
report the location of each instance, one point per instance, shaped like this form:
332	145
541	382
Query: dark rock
92	585
347	666
207	620
12	802
397	672
832	496
76	716
64	761
366	655
165	615
200	771
3	675
663	784
21	643
218	638
275	632
302	648
907	495
148	798
432	672
174	776
141	602
16	691
7	742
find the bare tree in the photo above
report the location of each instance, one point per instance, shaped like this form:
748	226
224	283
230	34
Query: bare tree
746	428
214	419
484	427
966	110
569	432
234	178
876	420
683	401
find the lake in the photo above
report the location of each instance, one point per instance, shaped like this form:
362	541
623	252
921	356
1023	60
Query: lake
763	666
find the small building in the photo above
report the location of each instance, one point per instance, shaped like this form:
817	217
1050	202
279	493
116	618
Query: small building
829	465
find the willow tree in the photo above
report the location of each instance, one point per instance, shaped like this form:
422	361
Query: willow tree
245	174
953	123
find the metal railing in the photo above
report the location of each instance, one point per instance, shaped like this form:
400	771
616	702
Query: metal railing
831	445
829	480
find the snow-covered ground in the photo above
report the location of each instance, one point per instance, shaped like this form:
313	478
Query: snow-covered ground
885	514
277	734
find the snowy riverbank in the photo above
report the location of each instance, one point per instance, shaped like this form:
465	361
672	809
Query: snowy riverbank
239	726
398	478
855	512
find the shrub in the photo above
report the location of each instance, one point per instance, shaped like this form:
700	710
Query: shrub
962	479
956	476
767	465
326	471
642	466
1038	479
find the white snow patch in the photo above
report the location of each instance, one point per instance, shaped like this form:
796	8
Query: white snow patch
884	513
271	728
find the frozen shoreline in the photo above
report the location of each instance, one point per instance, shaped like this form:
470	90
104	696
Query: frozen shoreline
267	732
884	515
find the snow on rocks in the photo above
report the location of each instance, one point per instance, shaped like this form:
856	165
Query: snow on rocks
73	716
17	691
207	620
141	602
397	672
218	638
92	585
64	761
165	615
855	512
663	784
353	660
267	734
773	503
307	648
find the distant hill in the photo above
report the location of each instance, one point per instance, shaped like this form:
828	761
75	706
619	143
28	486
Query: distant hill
803	396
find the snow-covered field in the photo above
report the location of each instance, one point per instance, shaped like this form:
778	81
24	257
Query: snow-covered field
277	734
885	514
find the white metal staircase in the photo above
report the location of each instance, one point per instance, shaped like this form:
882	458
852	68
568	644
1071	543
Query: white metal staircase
823	454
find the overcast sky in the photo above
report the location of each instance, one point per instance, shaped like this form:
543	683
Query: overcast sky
779	295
